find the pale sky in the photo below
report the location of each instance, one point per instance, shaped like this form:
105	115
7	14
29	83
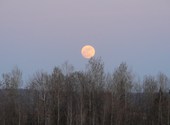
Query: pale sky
40	34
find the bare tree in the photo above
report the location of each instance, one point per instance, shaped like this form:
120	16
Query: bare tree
80	92
162	108
67	70
39	87
56	90
10	83
96	79
90	97
122	85
150	87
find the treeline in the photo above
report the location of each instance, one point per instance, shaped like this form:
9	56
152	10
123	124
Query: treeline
90	97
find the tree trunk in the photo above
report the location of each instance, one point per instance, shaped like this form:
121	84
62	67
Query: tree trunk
111	118
160	109
58	109
90	108
93	107
19	119
81	111
168	109
104	113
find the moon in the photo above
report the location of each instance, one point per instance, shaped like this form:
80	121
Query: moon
88	51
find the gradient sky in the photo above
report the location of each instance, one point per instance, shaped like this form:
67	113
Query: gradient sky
40	34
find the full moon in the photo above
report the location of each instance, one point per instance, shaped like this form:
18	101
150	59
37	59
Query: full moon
88	51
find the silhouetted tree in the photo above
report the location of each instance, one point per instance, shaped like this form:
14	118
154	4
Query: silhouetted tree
122	85
39	87
90	97
11	107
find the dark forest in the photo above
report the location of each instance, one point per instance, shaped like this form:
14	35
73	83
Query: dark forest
90	97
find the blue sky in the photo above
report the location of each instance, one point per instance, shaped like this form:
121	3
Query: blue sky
40	34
